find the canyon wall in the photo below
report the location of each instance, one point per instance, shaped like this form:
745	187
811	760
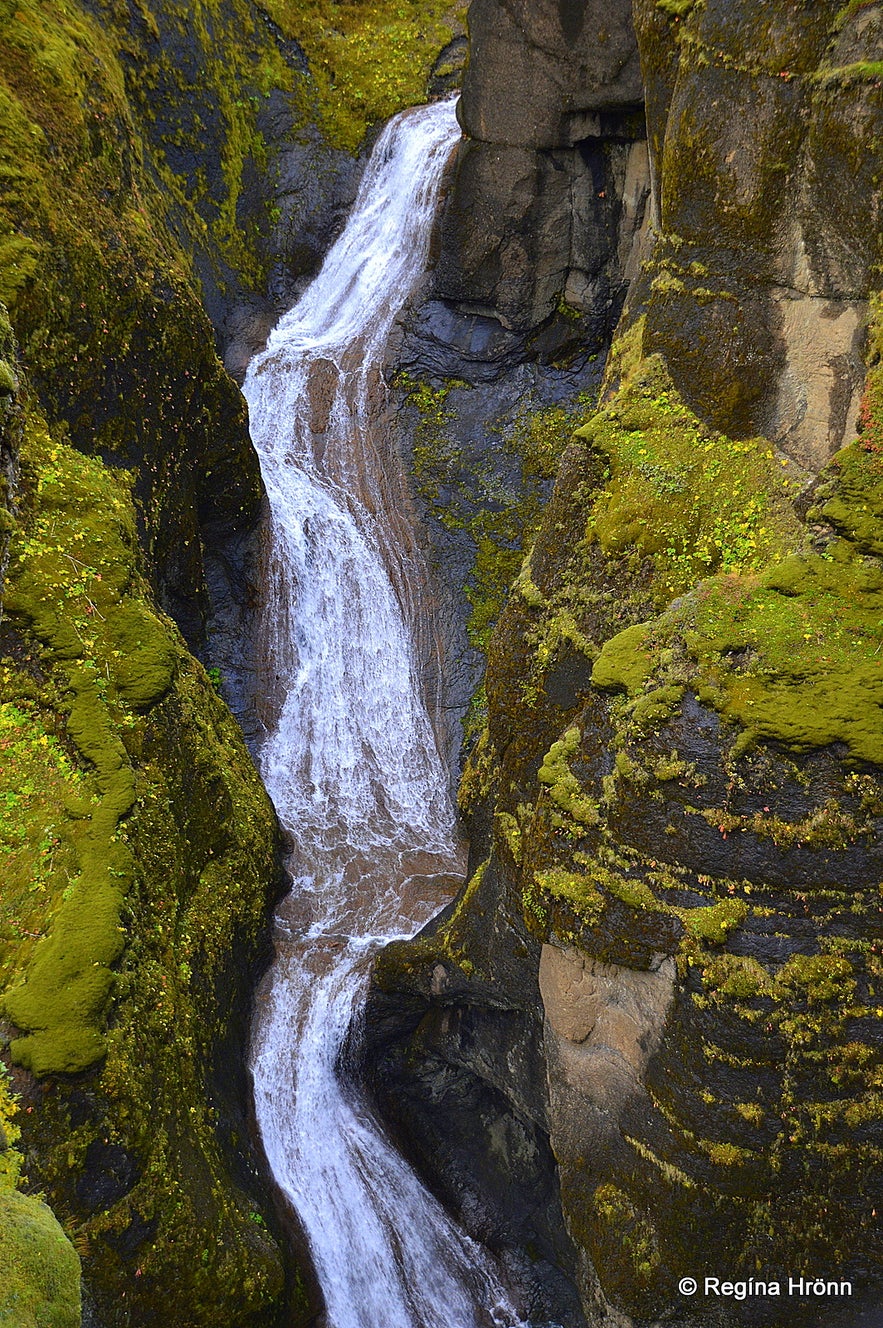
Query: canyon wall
172	174
667	961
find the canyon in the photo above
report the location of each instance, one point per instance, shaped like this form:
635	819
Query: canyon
634	494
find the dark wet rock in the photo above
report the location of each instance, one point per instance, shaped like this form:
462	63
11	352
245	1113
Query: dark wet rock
543	204
454	1059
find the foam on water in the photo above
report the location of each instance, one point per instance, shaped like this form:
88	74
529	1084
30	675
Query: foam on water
351	760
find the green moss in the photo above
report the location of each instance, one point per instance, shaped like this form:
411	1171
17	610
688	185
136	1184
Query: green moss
629	1228
39	1268
692	499
623	663
855	508
577	888
739	977
160	857
369	59
37	781
8	380
794	655
714	924
83	525
844	76
675	8
724	1154
10	1157
821	978
500	518
103	238
626	354
564	787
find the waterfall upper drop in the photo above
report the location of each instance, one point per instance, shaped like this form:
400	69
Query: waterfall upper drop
351	759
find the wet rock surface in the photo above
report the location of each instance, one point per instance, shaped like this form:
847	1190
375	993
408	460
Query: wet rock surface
536	206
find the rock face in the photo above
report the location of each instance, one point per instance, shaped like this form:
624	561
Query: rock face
126	962
678	791
761	142
551	184
538	241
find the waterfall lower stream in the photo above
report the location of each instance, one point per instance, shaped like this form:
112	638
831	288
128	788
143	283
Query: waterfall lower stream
351	760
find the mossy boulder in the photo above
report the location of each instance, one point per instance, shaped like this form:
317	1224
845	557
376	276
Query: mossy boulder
39	1268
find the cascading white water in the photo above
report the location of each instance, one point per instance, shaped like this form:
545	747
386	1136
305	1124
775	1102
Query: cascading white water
351	760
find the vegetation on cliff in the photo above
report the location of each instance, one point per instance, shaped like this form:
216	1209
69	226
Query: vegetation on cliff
370	60
139	849
708	785
710	788
681	766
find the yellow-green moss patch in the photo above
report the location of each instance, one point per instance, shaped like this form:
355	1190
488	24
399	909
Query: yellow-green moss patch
577	888
369	59
795	655
713	924
624	664
74	579
564	787
689	497
39	1268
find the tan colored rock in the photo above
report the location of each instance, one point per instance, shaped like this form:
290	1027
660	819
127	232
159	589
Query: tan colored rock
603	1023
815	408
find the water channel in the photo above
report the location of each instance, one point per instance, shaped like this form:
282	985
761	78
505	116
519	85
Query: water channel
351	759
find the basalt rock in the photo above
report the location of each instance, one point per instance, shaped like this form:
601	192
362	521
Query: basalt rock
551	184
679	780
762	132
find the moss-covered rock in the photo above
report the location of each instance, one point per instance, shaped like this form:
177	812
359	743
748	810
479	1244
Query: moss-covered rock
39	1268
681	785
140	860
763	143
104	300
730	749
369	60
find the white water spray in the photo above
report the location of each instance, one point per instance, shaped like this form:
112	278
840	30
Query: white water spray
351	760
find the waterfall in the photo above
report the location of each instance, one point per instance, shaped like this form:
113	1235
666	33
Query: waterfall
351	760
